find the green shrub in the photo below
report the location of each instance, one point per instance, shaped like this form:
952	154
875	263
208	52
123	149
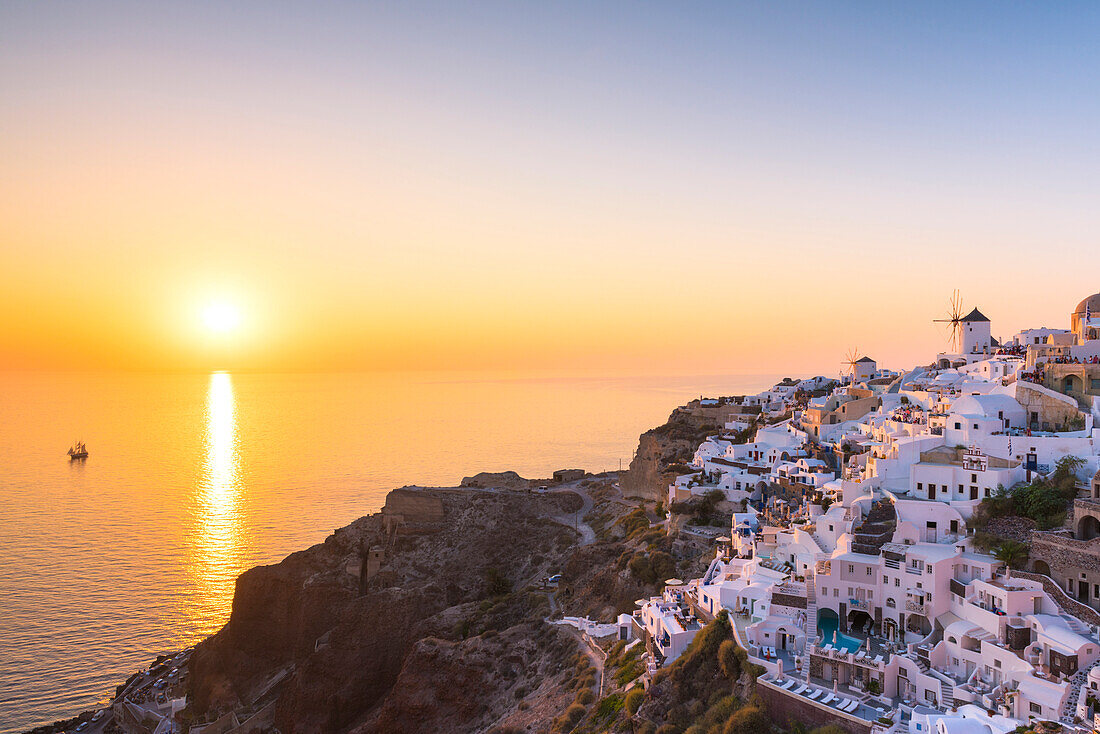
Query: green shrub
747	720
496	583
634	699
585	696
727	660
574	713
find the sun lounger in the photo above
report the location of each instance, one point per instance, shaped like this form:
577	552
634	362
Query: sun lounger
878	658
816	694
851	706
789	684
802	688
829	698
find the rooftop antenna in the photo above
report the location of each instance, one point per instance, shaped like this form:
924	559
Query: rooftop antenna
954	318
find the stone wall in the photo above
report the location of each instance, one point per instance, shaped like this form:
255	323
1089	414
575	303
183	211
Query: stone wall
1050	410
1086	614
785	708
412	510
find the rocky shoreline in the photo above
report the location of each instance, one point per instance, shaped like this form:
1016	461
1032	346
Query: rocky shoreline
432	613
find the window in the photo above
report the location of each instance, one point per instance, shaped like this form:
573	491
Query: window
836	592
897	583
973	477
1035	708
885	579
920	486
851	568
958	425
869	570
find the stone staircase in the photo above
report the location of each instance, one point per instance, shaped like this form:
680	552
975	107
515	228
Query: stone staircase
876	529
1076	683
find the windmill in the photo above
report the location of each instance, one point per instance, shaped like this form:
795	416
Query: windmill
852	360
954	318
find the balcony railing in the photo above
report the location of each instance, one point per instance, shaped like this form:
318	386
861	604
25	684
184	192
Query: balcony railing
915	607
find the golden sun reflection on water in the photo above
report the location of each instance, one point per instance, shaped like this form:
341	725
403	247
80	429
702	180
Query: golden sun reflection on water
216	542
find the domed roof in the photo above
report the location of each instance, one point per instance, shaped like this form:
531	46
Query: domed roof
1093	303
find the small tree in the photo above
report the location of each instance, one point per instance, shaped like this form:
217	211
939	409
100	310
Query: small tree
1011	553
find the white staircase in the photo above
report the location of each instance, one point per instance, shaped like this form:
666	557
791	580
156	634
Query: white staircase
1077	625
811	607
947	695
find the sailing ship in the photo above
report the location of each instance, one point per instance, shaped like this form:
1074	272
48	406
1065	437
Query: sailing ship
78	451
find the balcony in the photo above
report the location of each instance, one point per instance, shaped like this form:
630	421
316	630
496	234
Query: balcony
915	607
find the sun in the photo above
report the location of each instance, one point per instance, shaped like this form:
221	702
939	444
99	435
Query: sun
221	317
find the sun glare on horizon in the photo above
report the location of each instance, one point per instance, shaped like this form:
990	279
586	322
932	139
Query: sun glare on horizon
221	317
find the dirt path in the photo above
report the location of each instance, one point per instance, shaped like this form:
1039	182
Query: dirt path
576	519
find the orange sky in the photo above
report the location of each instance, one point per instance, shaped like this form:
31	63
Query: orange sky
432	200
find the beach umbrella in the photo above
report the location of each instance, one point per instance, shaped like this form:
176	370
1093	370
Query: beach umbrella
779	666
836	685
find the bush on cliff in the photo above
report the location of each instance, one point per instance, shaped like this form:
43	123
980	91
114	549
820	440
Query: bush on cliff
747	720
695	690
652	568
496	583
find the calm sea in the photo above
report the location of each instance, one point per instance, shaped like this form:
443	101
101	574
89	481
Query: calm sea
194	478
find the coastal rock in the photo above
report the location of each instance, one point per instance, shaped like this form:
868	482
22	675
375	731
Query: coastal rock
664	452
327	647
485	679
500	479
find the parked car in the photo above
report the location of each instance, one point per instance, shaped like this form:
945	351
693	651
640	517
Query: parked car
98	715
555	579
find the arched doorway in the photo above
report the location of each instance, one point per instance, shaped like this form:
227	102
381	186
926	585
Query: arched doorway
1041	567
918	624
1071	383
1088	528
859	621
828	623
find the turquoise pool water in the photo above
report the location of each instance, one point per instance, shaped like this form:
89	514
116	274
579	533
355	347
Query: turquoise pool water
827	626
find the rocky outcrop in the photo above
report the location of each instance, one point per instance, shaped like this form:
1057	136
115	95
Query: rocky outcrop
340	641
474	684
486	479
662	449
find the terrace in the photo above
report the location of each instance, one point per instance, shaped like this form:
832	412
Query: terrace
838	699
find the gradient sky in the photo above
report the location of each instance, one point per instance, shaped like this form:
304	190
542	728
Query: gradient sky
627	188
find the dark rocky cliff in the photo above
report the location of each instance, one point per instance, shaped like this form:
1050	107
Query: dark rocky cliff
324	646
664	451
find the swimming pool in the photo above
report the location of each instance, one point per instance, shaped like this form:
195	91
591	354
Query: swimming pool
827	626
